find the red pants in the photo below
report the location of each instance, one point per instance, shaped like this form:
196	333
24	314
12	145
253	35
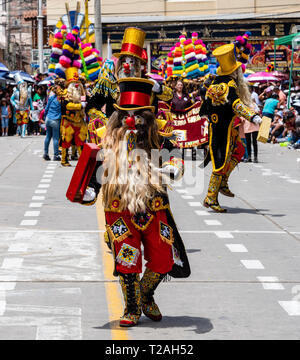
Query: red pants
70	131
129	232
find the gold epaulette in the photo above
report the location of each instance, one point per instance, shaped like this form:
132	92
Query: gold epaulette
166	95
218	93
232	83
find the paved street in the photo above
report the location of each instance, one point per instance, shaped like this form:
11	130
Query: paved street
55	271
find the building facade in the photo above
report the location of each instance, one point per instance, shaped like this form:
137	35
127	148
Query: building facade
217	22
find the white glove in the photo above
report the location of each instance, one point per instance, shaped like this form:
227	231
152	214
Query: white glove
89	194
169	169
83	104
257	120
156	86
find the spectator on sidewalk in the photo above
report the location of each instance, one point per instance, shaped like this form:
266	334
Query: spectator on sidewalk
53	117
271	104
5	113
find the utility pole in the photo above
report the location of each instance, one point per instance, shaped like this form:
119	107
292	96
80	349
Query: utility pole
98	25
8	32
40	37
86	19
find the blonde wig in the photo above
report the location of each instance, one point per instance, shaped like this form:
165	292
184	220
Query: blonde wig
131	181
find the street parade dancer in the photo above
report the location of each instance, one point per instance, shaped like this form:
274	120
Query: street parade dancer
73	125
22	103
132	61
136	204
227	97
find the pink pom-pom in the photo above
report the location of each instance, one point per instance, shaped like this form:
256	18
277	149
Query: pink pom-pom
243	66
240	39
70	37
177	44
248	46
182	36
246	36
64	27
65	61
77	64
172	48
187	42
58	35
83	46
194	34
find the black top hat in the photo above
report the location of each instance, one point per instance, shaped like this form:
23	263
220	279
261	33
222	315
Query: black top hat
135	94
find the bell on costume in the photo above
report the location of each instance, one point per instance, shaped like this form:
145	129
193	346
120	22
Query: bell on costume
130	284
149	283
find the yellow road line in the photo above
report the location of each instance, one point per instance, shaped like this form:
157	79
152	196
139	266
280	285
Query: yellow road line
113	295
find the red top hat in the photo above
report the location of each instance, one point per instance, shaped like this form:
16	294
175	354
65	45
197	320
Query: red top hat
135	94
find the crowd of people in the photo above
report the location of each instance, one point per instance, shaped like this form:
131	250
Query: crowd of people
36	124
269	99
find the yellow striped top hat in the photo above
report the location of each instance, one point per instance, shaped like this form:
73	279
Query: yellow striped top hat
133	43
226	59
72	74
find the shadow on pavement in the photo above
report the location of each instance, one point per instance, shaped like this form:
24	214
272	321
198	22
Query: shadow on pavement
191	251
251	211
196	324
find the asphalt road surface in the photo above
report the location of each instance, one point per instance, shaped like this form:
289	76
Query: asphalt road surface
55	271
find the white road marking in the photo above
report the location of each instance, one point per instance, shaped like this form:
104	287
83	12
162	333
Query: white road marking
47	176
6	286
40	192
43	186
2	304
18	247
38	198
23	235
187	197
32	213
12	263
182	191
292	181
202	213
284	177
49	172
35	205
291	307
252	264
270	283
213	222
195	204
224	234
46	180
237	248
28	222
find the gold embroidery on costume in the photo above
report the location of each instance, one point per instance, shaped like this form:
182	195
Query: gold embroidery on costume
214	118
142	220
242	110
166	233
128	255
119	230
232	83
166	95
218	94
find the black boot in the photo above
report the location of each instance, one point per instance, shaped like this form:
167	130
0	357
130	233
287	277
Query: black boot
149	283
130	284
